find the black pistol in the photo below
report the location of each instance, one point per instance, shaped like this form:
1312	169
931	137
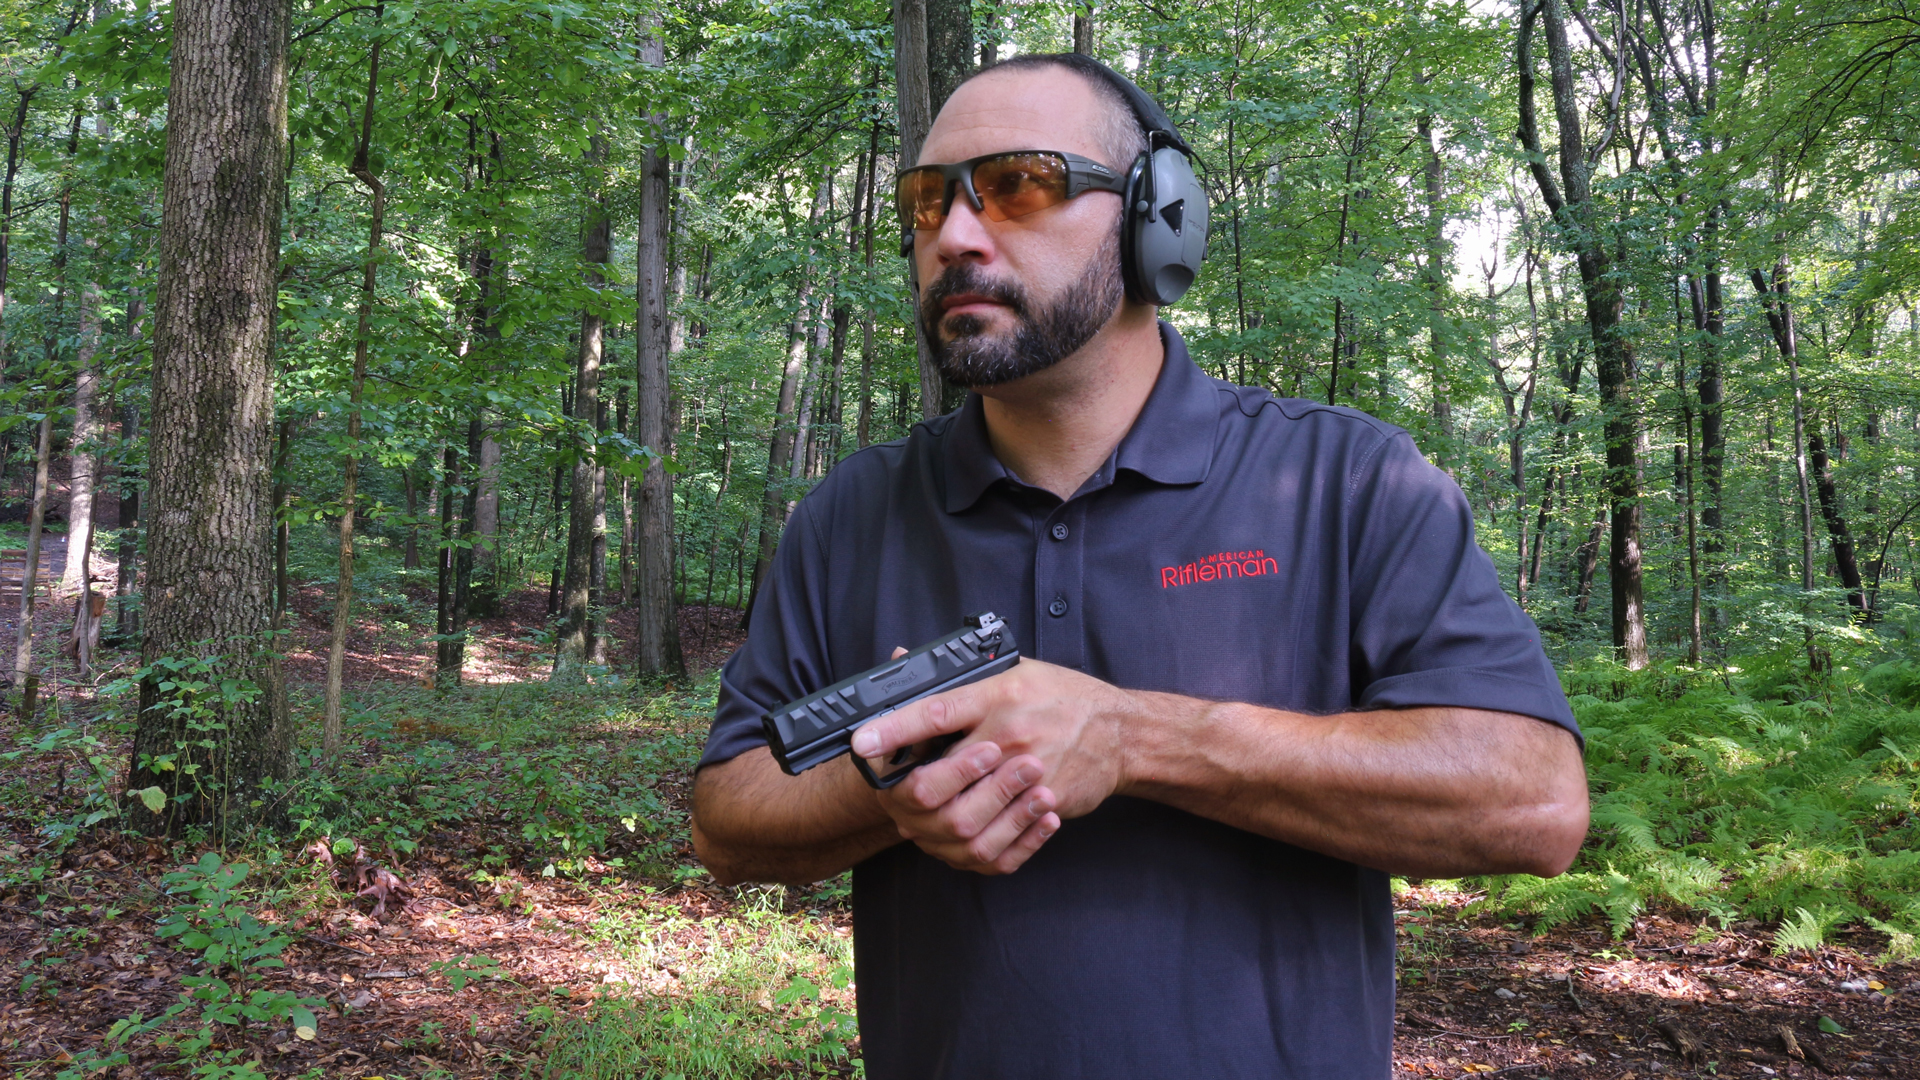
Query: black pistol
819	727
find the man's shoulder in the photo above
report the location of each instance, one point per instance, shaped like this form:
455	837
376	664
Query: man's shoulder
1259	413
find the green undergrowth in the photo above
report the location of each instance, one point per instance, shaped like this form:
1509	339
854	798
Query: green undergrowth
1750	792
546	778
762	987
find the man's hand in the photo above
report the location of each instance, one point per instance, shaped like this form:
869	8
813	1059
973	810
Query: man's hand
979	807
974	811
1057	722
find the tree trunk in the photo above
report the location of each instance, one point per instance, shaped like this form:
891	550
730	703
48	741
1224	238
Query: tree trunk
450	650
410	558
1083	33
362	169
126	615
1839	535
913	97
780	448
556	504
1434	279
1774	299
480	580
1573	207
865	434
1589	554
576	633
597	568
208	576
464	554
1710	385
950	56
24	675
628	534
803	434
84	461
486	502
282	530
658	638
88	606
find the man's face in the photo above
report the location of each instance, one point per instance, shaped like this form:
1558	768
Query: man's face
1001	300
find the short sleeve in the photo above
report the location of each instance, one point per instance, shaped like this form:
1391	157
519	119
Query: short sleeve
785	653
1430	622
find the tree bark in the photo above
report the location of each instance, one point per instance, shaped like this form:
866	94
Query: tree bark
577	628
208	603
362	169
1083	33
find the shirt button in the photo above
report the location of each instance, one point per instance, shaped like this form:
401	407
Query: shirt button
1059	530
1059	605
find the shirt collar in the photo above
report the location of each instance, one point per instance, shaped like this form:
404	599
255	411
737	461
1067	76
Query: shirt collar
1171	441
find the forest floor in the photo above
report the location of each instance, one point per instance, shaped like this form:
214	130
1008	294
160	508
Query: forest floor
546	916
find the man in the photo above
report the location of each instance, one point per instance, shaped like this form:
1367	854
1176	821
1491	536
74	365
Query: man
1265	666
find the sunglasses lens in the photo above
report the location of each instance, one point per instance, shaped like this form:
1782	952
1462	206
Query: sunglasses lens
1012	185
922	197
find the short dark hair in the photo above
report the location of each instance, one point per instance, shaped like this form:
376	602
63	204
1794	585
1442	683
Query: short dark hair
1124	138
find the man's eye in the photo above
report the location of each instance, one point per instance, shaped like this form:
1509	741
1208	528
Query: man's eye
1011	183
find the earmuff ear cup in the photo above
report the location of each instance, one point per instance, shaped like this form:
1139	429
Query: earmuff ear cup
1163	244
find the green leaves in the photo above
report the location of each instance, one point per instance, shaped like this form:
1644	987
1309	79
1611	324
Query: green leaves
463	970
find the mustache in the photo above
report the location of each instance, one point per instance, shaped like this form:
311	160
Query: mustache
967	279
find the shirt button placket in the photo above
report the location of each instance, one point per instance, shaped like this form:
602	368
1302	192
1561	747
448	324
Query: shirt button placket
1059	632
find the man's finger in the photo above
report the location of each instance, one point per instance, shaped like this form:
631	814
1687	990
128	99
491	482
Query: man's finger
942	714
972	811
1000	834
1021	850
932	784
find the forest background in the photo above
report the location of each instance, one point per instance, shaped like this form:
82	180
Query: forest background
577	299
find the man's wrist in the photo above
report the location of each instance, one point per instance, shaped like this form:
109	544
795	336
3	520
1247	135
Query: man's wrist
1161	738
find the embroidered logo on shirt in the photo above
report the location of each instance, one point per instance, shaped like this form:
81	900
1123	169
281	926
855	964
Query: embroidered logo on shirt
1218	567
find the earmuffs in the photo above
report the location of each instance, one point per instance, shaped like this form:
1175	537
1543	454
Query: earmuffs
1163	237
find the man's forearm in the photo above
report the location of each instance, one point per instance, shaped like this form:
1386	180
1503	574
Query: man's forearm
751	822
1432	792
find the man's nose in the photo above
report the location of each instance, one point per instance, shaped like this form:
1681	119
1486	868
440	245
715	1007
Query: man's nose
964	234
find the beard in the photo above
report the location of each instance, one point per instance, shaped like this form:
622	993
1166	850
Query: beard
1042	336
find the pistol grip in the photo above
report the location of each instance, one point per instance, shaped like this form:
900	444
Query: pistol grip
904	758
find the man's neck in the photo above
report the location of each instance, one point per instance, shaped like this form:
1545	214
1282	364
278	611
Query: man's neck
1053	429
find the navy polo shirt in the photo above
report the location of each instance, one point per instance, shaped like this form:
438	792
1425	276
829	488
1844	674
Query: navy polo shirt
1233	547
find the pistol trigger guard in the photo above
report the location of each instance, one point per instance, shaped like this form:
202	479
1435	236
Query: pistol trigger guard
882	783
